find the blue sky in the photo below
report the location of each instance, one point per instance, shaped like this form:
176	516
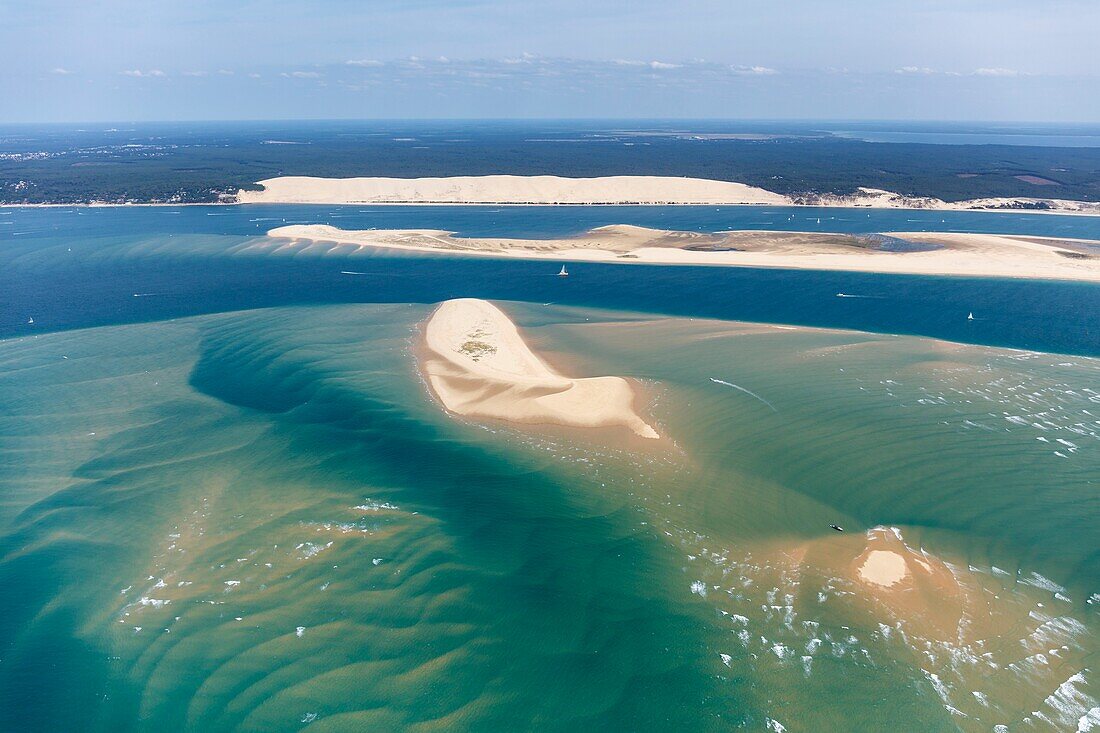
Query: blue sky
881	59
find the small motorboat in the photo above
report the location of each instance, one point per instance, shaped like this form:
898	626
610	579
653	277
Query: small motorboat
837	527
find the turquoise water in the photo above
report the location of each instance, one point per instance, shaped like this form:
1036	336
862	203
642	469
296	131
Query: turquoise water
234	506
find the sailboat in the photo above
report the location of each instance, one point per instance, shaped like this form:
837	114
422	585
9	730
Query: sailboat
970	316
563	272
30	320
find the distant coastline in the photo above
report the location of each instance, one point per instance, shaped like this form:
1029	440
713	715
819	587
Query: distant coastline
508	190
833	204
209	163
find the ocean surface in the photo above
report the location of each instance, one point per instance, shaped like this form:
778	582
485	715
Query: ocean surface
228	502
78	267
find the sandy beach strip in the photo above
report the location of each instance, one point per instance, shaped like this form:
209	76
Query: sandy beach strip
478	365
973	255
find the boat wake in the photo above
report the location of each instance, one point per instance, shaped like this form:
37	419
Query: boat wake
742	389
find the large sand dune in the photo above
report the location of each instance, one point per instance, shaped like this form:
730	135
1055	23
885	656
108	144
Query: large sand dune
504	189
508	190
479	366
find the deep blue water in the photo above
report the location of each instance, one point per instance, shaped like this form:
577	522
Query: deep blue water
76	268
526	221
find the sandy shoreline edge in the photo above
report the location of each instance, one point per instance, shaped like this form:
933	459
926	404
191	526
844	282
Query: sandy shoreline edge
478	365
973	255
501	190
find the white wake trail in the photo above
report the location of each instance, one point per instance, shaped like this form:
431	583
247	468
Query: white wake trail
746	391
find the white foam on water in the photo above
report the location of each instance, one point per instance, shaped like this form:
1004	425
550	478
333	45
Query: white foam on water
938	686
311	549
299	631
369	505
1054	631
1069	704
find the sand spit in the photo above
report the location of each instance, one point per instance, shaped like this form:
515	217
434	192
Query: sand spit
975	255
479	366
507	190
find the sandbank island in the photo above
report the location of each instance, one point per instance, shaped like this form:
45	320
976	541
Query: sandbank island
479	366
976	255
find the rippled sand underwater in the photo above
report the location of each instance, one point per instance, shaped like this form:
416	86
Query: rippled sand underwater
261	521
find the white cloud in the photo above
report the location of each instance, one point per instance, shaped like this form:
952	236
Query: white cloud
996	71
302	75
662	65
225	72
253	76
363	62
753	70
915	70
194	73
60	71
139	74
